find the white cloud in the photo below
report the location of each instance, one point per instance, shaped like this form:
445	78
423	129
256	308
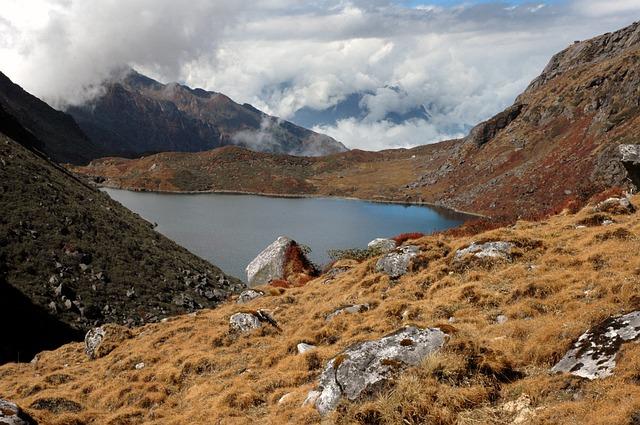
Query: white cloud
463	63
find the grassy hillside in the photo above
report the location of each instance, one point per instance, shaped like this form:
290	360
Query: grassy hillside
508	322
73	258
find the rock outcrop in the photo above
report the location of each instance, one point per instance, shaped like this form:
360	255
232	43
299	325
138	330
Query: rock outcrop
496	250
382	245
396	263
593	355
246	321
366	365
631	161
11	414
100	341
285	260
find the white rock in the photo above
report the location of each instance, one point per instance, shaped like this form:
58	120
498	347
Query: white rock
304	347
501	319
284	398
396	263
249	295
498	250
269	264
382	244
243	322
311	399
594	354
350	309
11	414
140	366
366	364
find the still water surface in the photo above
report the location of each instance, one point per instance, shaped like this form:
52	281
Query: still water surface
230	230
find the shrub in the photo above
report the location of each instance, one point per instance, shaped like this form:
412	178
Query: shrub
403	237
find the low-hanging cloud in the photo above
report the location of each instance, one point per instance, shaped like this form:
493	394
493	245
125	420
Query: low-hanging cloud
461	63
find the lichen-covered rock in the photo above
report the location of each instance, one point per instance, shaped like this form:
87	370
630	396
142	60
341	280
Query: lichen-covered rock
594	354
396	263
350	309
249	295
616	206
365	365
497	250
282	260
11	414
246	321
100	341
382	245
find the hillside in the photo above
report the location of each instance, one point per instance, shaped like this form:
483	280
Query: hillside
65	141
507	319
71	258
137	115
557	143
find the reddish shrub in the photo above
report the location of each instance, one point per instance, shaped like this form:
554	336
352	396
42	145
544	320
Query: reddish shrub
614	192
403	237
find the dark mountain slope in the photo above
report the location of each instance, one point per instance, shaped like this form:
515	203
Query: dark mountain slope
138	115
65	141
71	258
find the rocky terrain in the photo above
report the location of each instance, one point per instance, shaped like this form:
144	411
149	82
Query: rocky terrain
71	258
52	132
136	115
557	144
528	324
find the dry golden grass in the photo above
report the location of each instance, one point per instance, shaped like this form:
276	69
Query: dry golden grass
563	280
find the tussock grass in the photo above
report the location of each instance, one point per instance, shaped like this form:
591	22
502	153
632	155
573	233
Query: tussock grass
562	281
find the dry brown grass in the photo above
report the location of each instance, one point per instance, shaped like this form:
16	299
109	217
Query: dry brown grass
564	280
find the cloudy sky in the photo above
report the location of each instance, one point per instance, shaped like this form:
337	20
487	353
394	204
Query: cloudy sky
462	61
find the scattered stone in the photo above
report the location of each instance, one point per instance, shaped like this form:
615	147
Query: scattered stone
501	319
363	366
11	414
396	263
283	259
131	293
249	295
594	354
243	322
382	244
498	250
83	267
304	347
100	341
616	206
139	366
284	398
350	309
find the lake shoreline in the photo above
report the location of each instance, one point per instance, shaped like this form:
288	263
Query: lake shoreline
294	196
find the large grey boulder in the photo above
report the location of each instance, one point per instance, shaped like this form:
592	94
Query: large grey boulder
396	263
246	321
497	250
283	256
382	245
11	414
366	365
594	354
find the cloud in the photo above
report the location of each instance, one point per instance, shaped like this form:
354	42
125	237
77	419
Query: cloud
463	63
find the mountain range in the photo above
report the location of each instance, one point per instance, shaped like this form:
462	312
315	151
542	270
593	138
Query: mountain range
557	144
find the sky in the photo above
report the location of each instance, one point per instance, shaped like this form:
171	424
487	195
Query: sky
462	61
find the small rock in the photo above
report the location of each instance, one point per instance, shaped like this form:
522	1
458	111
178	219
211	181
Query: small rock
594	354
131	293
382	245
139	366
284	398
396	263
350	309
304	347
500	319
243	322
363	366
498	250
100	341
616	206
249	295
83	267
11	414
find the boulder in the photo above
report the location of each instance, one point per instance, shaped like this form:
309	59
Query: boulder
11	414
497	250
396	263
249	295
304	347
246	321
616	206
350	309
593	355
631	161
364	366
100	341
382	245
282	260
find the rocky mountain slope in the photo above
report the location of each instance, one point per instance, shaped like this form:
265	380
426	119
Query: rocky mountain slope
558	143
474	330
65	141
137	115
71	258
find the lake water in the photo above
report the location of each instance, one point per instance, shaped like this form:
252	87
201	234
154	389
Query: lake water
230	230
